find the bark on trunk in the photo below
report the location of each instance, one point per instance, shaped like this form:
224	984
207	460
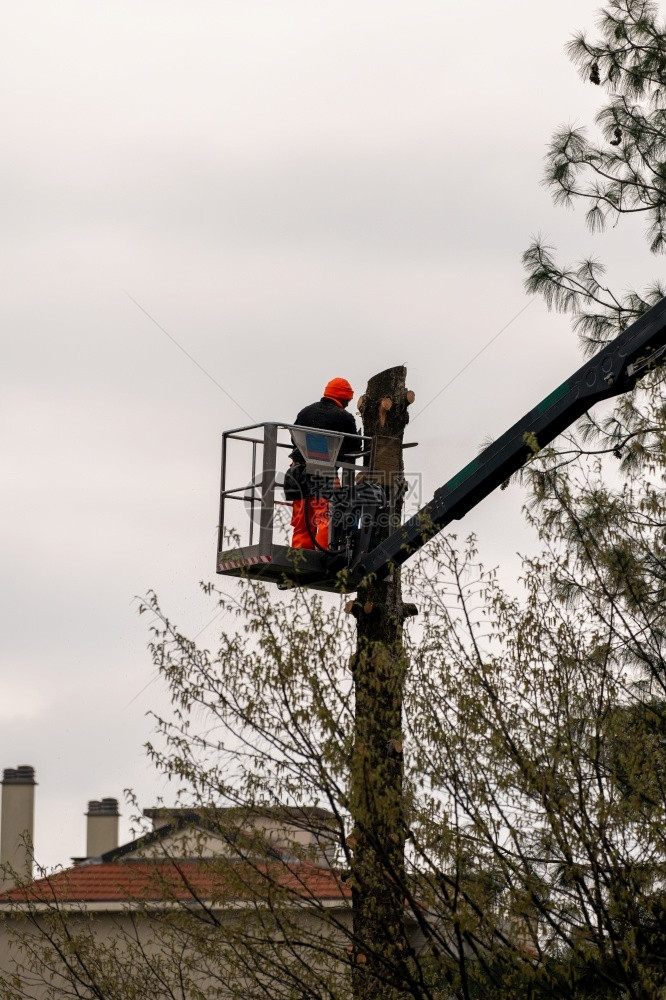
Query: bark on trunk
379	668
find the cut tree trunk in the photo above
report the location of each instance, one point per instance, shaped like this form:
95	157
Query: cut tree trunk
380	952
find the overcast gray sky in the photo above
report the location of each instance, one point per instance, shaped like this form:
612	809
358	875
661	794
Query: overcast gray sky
294	191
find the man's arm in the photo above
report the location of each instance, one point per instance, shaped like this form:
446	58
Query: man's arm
349	444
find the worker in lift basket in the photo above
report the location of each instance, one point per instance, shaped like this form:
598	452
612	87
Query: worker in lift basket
310	513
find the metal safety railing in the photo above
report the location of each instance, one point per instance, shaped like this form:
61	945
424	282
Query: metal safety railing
259	494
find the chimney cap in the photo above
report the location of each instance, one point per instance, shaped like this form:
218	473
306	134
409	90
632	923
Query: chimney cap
21	775
103	807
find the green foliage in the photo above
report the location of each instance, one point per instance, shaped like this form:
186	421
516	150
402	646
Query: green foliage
621	170
534	747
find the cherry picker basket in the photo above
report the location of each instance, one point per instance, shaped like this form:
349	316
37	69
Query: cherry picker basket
252	538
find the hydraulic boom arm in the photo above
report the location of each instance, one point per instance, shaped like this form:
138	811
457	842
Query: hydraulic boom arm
611	372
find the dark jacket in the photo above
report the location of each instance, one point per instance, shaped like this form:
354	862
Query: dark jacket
327	415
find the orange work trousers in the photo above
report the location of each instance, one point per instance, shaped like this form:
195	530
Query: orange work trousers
317	519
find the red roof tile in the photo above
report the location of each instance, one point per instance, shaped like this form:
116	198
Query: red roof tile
146	881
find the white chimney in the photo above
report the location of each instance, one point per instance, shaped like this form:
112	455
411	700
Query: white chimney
102	832
17	823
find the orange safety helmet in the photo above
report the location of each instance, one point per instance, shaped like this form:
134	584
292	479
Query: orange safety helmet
338	389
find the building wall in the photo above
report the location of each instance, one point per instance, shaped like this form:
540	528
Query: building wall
138	949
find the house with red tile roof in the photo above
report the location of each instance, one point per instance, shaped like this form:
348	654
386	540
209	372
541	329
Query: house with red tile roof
212	896
220	855
213	901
